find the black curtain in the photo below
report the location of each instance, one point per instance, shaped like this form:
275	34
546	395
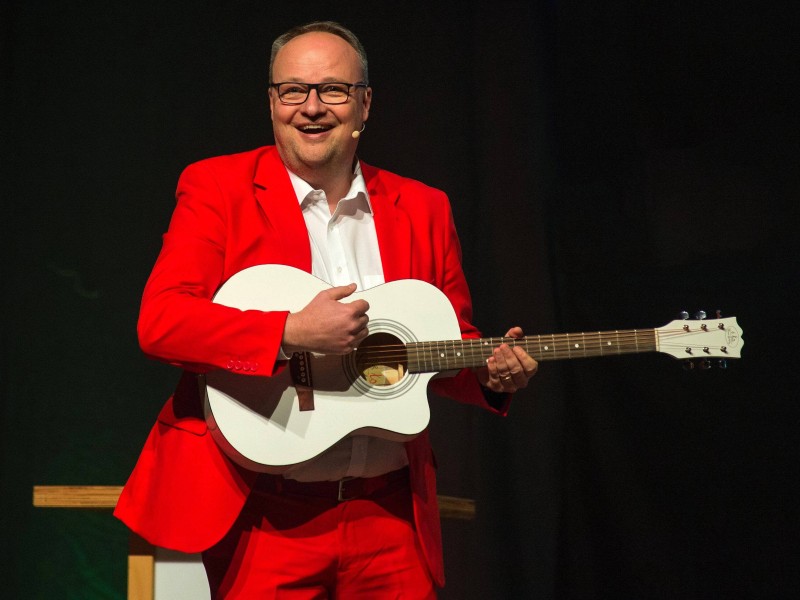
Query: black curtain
609	165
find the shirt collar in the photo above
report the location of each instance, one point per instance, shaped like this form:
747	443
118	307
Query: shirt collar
306	194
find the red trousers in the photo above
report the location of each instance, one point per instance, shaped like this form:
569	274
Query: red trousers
289	545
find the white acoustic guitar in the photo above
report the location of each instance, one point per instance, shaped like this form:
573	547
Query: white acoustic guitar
381	388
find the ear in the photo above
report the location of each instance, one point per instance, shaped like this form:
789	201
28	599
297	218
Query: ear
366	103
272	97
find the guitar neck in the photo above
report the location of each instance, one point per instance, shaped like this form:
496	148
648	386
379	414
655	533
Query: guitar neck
428	357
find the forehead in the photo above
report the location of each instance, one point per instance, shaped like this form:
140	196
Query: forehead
316	56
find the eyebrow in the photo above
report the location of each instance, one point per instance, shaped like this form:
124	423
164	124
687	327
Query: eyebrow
324	80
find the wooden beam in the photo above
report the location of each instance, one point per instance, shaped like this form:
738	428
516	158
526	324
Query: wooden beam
106	496
76	496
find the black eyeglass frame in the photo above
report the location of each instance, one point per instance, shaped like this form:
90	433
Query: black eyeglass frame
316	86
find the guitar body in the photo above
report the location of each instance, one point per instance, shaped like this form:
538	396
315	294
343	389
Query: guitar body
257	421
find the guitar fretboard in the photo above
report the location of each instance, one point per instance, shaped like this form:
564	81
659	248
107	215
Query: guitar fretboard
428	357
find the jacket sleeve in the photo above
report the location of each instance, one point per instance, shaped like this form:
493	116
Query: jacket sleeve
464	386
178	322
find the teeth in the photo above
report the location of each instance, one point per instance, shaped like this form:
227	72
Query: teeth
313	128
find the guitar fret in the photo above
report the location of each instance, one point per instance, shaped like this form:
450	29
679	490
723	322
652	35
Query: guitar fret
416	367
562	345
551	348
455	355
432	356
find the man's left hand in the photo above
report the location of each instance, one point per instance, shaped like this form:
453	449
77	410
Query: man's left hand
509	368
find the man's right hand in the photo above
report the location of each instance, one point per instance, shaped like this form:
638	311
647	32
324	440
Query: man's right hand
327	325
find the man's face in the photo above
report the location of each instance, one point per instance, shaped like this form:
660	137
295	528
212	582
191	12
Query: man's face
314	136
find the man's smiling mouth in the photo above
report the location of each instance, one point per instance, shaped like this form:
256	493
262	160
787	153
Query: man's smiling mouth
314	128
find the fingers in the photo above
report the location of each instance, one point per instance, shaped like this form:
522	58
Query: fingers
361	331
510	368
505	369
355	325
360	322
359	308
340	292
327	324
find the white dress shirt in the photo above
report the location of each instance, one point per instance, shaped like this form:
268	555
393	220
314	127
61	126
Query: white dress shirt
344	250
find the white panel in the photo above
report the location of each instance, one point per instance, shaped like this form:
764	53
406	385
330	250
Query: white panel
179	576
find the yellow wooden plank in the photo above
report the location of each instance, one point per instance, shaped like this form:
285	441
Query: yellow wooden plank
141	569
451	507
106	496
76	496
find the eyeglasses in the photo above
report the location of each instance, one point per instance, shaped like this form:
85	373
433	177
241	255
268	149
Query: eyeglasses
332	92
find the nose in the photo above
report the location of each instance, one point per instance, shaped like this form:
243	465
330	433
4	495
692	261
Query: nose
313	105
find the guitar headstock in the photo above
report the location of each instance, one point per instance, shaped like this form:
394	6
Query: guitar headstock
701	338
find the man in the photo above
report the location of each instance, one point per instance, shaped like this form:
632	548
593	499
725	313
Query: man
308	203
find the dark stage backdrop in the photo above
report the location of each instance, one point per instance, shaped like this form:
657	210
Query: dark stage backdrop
609	165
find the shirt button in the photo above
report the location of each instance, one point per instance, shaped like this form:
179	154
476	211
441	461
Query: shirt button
338	269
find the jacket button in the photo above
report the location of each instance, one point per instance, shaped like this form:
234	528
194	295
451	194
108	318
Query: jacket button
230	364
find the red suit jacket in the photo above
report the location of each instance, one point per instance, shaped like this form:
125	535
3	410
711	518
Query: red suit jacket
234	212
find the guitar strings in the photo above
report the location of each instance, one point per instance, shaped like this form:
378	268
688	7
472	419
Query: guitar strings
473	352
471	348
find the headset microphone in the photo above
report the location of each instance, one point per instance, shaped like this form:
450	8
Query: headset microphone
357	134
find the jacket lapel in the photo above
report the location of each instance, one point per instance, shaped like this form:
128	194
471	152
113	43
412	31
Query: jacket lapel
276	197
391	226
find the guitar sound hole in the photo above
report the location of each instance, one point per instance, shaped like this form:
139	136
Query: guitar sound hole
381	360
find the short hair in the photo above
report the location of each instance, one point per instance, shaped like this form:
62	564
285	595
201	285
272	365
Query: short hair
324	27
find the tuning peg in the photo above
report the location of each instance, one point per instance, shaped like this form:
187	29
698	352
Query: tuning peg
688	365
722	363
683	315
719	313
700	315
705	364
